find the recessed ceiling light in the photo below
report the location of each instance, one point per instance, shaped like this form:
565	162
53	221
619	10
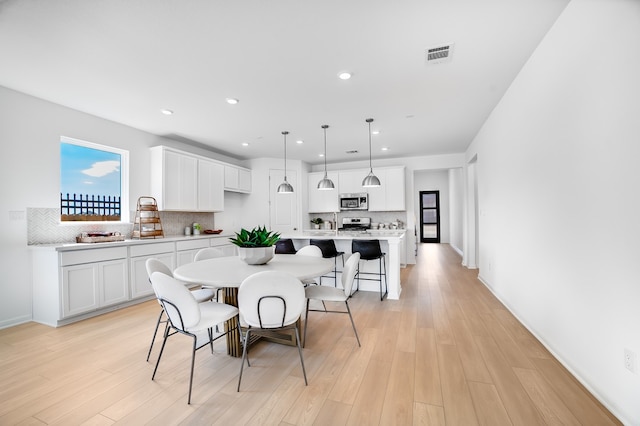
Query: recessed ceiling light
344	75
232	101
321	155
384	148
299	141
167	111
375	132
245	143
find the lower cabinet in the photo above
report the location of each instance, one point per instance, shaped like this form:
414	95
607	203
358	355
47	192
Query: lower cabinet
94	284
73	284
138	255
186	250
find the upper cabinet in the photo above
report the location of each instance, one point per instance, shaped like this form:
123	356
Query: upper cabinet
350	181
389	196
323	201
210	184
237	179
185	182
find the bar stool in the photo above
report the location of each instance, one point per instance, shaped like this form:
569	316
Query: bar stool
285	246
328	248
370	250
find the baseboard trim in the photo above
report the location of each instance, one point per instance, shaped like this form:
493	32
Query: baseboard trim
14	321
562	361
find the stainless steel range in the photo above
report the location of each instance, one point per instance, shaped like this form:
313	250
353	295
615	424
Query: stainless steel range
355	224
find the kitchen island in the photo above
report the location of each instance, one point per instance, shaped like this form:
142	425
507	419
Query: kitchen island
392	243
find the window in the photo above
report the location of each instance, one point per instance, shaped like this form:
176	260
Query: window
93	182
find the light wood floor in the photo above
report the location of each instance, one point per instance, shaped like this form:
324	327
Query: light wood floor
446	353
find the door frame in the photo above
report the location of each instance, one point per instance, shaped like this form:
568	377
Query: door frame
437	208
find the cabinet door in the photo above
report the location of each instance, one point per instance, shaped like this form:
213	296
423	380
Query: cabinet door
395	199
210	186
186	256
378	195
323	201
79	289
180	178
244	180
140	285
350	181
114	286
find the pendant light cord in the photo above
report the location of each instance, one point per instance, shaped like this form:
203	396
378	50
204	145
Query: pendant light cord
285	133
369	120
325	126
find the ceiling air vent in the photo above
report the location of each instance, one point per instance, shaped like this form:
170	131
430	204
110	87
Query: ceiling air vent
353	151
438	54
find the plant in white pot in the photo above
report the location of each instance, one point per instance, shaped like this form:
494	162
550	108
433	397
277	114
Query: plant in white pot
317	221
256	247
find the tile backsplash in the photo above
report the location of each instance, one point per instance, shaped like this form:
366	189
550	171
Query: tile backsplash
44	227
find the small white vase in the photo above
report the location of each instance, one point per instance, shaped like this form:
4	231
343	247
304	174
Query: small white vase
256	255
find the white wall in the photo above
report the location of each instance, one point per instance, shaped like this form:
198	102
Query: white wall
558	196
456	209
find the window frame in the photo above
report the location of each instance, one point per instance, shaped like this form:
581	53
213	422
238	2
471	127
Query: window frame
124	180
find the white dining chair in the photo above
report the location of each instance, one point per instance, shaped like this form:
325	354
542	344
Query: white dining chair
313	251
201	295
333	294
270	301
210	253
187	316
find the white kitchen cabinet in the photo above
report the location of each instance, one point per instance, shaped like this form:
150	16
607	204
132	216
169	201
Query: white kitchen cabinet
186	182
350	181
174	178
186	250
237	179
210	186
88	284
139	284
389	196
323	201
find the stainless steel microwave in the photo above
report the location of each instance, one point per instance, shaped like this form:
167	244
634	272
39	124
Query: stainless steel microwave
357	201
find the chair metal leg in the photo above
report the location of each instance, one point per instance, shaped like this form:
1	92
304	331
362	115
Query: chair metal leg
383	274
164	342
193	363
244	356
155	332
210	331
353	324
306	321
304	372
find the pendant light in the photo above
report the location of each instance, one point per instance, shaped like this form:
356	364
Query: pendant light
325	183
285	187
370	180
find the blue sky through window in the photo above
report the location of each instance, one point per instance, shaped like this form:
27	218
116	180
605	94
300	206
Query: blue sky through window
89	171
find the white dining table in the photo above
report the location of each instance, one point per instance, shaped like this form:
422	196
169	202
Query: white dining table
230	271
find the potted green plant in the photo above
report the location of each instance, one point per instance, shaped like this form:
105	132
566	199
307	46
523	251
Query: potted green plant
317	221
257	246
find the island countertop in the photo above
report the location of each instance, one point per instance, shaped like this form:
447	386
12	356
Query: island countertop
391	242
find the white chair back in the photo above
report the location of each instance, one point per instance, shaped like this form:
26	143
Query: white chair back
179	304
349	272
271	299
155	265
208	253
310	251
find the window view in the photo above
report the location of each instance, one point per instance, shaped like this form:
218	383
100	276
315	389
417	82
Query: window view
92	178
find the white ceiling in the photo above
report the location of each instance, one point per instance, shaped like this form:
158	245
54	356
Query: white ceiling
125	60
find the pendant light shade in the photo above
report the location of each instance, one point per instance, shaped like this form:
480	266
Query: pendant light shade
285	187
325	183
370	180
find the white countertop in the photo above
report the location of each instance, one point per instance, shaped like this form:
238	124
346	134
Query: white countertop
128	242
383	234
